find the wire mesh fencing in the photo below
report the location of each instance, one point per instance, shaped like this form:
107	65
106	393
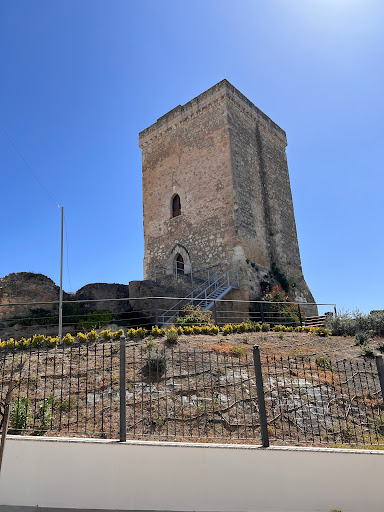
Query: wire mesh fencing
62	389
324	402
115	389
191	394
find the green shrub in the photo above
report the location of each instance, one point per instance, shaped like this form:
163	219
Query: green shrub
349	323
38	316
82	338
73	313
194	315
323	362
68	339
46	413
377	322
172	335
156	361
26	343
379	425
361	338
20	414
157	332
241	328
341	324
368	351
106	334
92	335
265	327
237	351
38	340
131	333
65	405
52	340
279	307
141	332
97	319
227	329
320	331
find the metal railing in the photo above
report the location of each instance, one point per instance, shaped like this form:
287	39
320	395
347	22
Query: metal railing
205	295
191	272
118	390
19	320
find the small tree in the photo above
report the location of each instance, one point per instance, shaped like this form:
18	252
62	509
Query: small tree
194	315
279	308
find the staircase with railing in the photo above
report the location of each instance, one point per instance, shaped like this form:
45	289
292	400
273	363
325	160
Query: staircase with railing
204	295
188	273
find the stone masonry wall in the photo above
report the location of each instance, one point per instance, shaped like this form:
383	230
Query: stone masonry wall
189	155
263	203
226	159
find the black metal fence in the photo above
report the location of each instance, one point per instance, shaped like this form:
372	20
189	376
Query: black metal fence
324	402
64	389
179	394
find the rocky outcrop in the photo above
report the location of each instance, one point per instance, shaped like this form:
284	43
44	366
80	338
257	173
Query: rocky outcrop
96	293
25	291
26	288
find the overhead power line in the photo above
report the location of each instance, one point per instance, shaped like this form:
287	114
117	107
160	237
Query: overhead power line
28	166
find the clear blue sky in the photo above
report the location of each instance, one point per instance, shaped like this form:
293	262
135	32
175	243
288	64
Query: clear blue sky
80	80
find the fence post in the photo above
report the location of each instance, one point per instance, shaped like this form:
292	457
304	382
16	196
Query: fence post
215	312
7	406
380	371
260	397
262	312
123	387
156	311
300	319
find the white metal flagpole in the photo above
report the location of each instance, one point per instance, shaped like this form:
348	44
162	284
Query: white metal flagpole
61	278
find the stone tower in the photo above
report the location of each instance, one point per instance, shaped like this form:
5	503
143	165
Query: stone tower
217	195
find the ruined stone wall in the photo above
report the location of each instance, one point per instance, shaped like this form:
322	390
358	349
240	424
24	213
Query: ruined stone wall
96	293
26	287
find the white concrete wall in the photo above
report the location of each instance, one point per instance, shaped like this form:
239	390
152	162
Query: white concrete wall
185	477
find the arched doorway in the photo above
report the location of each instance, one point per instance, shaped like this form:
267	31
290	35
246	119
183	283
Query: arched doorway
179	264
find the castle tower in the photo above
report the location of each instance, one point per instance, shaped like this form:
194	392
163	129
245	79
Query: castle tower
217	195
